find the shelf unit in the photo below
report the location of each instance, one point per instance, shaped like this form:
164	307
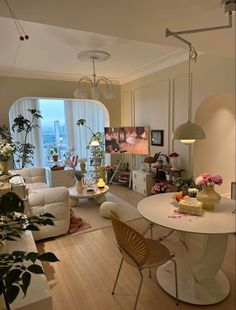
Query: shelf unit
143	182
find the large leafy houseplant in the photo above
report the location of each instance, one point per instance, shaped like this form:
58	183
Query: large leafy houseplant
96	136
24	151
16	267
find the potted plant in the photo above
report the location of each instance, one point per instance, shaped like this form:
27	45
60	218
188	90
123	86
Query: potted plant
96	139
16	267
24	152
54	153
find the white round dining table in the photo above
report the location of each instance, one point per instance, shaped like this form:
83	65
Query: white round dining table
200	248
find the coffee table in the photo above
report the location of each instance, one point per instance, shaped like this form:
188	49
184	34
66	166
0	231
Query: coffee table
98	195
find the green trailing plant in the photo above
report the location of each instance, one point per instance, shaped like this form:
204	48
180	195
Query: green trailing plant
96	136
17	267
24	151
184	183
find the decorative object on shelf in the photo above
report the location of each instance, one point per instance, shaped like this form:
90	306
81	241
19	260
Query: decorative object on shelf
150	160
107	86
208	196
82	163
157	137
100	183
17	267
160	158
174	160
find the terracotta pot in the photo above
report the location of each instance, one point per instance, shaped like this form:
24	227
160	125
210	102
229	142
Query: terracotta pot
55	157
209	197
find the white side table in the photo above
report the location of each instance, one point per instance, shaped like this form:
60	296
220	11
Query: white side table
143	182
60	177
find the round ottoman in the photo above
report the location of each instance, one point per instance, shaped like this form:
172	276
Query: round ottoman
106	207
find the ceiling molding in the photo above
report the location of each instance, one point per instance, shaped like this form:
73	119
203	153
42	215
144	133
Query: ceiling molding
149	68
155	66
44	75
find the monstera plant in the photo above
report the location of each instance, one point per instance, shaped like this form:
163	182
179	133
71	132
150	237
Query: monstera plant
16	267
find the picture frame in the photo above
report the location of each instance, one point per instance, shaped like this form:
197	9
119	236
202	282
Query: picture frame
157	137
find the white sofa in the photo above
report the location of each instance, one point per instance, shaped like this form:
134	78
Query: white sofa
42	199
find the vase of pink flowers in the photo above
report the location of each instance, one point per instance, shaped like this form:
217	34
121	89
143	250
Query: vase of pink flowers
208	196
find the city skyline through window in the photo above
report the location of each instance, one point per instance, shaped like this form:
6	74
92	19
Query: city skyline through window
53	128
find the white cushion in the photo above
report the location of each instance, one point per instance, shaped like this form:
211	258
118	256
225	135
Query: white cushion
106	207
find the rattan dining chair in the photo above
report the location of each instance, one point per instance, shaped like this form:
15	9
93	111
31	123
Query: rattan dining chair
139	252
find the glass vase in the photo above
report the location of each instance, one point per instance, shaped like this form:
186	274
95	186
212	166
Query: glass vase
209	197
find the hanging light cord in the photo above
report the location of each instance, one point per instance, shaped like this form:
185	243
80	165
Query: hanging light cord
23	35
191	56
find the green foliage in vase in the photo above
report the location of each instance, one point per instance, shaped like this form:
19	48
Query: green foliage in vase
184	183
16	267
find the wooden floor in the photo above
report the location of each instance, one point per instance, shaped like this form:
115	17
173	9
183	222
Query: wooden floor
84	277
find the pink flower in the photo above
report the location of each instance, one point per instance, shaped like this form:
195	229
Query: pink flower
207	179
174	154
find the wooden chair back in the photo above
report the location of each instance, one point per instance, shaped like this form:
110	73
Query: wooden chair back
133	246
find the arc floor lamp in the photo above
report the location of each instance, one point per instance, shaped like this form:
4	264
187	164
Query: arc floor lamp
189	132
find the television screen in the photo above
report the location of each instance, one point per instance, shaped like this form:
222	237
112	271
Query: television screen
129	140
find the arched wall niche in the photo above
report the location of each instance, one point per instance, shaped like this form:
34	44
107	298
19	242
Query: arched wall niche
216	154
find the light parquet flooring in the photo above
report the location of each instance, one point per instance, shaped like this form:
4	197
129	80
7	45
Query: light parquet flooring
84	277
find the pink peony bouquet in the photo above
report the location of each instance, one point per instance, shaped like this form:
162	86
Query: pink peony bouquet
207	179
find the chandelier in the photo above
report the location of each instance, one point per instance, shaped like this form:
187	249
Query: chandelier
97	84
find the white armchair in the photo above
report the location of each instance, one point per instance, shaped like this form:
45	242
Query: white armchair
42	199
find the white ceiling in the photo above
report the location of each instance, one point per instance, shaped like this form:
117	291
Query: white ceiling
132	31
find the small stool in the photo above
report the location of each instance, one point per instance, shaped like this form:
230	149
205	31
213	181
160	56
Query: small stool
106	207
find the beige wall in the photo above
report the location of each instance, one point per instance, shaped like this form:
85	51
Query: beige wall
160	101
12	89
217	154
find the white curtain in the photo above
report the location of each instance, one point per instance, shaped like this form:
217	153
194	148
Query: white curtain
34	137
78	137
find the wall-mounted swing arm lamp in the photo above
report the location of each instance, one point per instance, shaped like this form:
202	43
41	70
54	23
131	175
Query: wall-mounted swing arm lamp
189	132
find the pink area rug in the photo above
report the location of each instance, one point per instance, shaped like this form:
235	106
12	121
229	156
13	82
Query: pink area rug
76	223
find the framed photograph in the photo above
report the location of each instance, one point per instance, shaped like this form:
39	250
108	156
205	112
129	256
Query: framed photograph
157	137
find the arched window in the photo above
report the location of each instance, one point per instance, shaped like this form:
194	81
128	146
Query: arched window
58	128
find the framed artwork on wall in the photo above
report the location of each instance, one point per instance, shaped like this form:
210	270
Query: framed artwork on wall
157	137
